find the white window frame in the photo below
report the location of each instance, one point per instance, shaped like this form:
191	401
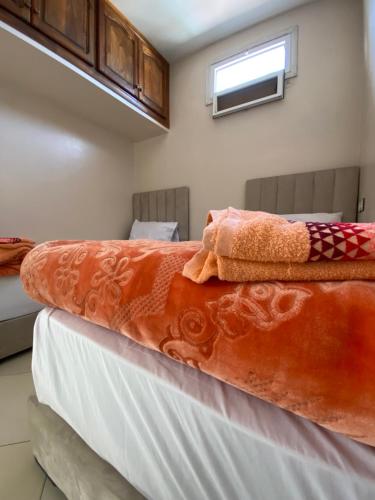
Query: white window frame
290	36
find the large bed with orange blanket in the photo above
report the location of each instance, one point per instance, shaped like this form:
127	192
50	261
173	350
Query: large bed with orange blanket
303	346
199	391
306	346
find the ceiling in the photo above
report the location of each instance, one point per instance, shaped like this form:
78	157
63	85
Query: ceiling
178	27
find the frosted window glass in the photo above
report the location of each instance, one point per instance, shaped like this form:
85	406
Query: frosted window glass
248	68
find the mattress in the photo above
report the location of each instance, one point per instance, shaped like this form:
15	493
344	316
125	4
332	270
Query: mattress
176	433
13	300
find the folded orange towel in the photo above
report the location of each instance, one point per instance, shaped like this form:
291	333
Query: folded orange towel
263	237
12	253
205	265
239	245
255	236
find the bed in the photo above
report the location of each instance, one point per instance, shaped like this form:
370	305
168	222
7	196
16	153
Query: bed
164	205
18	312
176	433
165	431
17	316
333	190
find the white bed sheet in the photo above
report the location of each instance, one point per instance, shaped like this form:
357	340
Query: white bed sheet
176	433
13	300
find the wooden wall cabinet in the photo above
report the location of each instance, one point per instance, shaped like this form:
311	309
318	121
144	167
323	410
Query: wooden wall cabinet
130	61
118	46
71	23
21	8
96	37
153	79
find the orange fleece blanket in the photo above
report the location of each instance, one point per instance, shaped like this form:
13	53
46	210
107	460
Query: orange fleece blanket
240	245
12	253
308	347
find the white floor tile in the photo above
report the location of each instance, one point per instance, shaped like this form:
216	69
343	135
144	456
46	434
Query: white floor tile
20	476
17	364
50	492
14	392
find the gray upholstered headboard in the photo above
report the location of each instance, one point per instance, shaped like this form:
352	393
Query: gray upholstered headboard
165	205
334	190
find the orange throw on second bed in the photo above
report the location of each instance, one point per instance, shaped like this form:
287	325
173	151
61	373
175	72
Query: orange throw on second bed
12	253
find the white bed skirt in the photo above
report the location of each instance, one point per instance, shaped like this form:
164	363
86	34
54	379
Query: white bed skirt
175	433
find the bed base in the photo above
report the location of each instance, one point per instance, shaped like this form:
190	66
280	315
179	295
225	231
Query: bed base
16	334
70	463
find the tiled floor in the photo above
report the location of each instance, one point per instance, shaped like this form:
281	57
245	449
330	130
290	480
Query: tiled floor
20	476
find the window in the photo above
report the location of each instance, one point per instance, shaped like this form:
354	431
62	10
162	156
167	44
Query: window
253	76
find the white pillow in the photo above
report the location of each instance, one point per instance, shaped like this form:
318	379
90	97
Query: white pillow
322	217
163	231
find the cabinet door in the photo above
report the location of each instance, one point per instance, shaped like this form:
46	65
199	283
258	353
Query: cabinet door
117	48
71	23
21	8
153	79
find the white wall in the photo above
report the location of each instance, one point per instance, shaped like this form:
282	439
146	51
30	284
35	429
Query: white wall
317	126
63	177
60	176
368	147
